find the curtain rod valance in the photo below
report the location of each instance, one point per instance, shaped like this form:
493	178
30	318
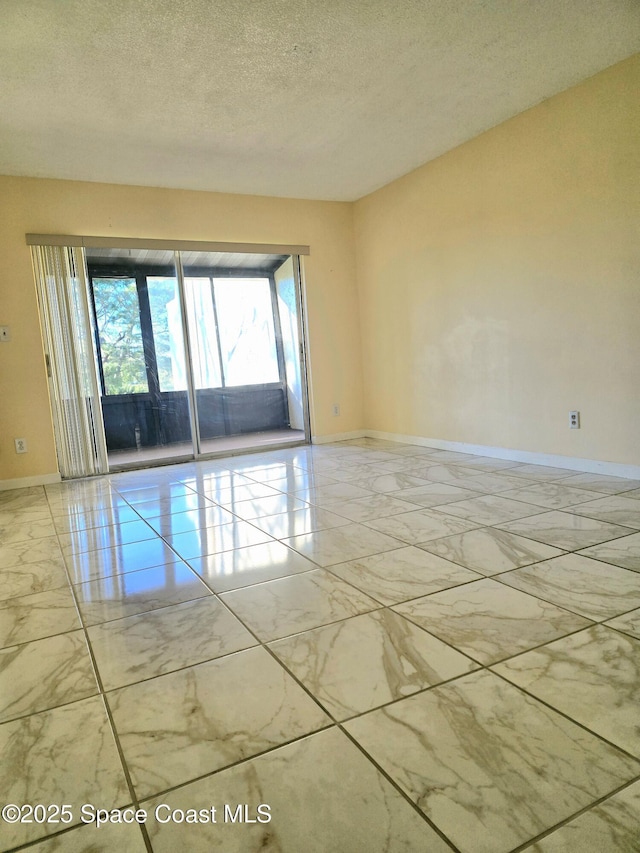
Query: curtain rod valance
78	241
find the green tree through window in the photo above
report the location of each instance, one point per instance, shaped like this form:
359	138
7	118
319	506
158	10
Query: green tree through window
118	323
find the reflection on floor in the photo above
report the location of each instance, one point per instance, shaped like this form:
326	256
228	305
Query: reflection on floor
380	647
224	444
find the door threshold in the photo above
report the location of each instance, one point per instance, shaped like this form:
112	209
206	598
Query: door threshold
232	445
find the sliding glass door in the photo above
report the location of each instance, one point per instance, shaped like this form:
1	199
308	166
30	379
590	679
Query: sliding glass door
198	353
237	353
140	356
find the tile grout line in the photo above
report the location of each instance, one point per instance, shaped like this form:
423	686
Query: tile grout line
399	789
338	724
570	719
264	645
107	711
103	702
585	810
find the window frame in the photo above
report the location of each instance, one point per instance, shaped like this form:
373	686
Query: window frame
140	272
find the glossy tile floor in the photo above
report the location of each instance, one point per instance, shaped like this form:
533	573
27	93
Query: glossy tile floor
381	647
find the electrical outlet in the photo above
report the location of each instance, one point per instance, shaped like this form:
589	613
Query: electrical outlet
5	334
574	420
336	410
21	445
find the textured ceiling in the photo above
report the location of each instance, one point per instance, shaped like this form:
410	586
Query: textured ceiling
325	99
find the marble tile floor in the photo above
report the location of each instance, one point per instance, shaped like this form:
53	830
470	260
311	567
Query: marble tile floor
362	646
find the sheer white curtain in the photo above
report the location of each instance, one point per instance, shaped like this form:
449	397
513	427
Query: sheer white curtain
75	394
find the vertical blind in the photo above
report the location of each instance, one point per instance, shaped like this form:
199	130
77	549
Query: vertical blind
64	311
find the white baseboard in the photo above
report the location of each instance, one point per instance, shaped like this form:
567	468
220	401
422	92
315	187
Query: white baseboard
26	482
591	466
338	436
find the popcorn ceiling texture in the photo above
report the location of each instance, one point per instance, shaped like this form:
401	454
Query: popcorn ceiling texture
283	97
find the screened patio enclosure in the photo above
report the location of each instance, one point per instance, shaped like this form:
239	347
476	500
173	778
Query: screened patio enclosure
159	352
229	322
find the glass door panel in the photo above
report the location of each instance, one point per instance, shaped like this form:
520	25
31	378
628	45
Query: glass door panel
242	384
247	330
240	372
201	320
140	353
120	335
290	330
166	325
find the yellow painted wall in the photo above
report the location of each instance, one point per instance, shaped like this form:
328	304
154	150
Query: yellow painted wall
498	287
65	207
500	284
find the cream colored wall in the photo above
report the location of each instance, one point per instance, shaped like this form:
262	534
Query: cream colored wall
65	207
500	284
